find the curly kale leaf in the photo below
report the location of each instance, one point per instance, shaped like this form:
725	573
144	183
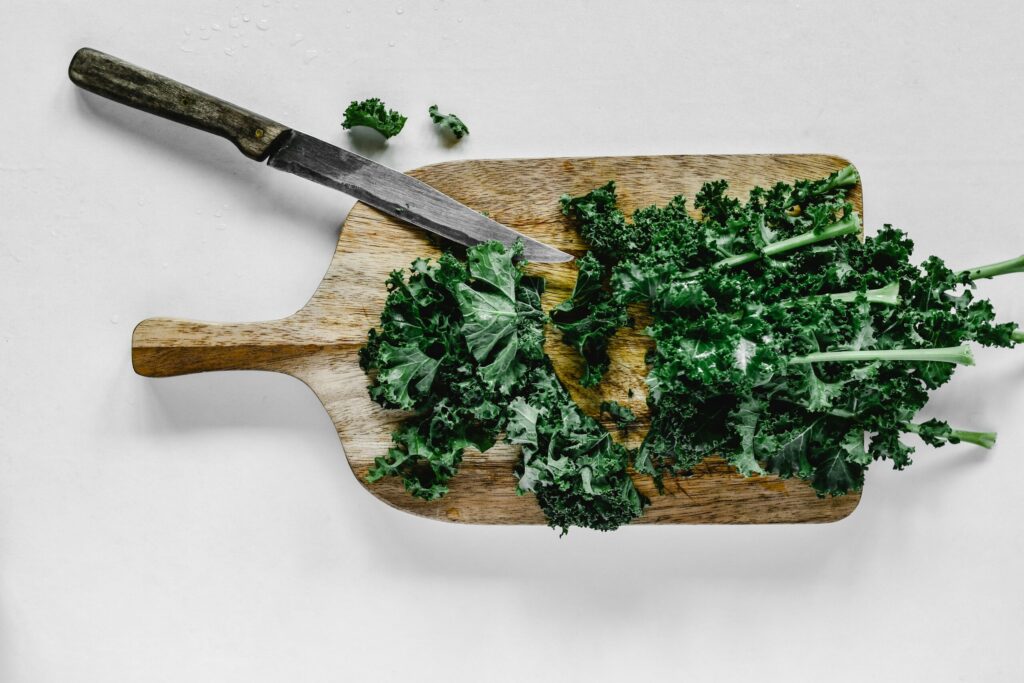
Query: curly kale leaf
461	344
603	227
589	318
455	341
569	461
404	373
423	463
373	114
452	123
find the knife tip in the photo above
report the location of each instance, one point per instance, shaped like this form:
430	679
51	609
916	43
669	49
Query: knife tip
538	252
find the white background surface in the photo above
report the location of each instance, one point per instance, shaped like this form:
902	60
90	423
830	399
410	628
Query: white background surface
208	528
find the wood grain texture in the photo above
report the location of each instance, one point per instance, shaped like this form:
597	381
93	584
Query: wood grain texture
116	79
319	343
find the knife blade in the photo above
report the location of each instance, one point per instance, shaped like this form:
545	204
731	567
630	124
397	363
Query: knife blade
259	138
397	194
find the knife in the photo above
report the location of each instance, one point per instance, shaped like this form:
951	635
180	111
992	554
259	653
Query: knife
259	138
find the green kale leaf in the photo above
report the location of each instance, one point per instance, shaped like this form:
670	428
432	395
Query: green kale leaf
461	347
452	123
623	416
589	318
373	114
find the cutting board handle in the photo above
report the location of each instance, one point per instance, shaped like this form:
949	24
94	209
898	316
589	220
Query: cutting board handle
136	87
165	347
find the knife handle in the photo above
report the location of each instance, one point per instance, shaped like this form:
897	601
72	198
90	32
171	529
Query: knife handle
136	87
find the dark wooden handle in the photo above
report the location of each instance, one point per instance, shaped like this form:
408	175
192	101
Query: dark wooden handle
128	84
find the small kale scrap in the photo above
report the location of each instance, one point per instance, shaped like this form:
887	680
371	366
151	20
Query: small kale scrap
623	416
372	113
782	341
461	347
450	122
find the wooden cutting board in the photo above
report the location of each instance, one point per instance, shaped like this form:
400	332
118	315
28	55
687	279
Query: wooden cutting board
319	343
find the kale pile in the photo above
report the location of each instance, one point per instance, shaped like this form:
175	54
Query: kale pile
461	346
782	342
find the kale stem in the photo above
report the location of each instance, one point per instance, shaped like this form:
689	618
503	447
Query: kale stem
983	439
953	354
1017	336
847	177
888	295
847	225
1014	265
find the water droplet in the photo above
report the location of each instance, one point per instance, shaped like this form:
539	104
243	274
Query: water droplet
444	36
263	24
348	25
115	319
348	10
296	39
399	11
246	18
188	31
199	212
142	202
215	27
233	22
165	264
310	56
245	43
229	51
218	213
391	43
459	20
185	49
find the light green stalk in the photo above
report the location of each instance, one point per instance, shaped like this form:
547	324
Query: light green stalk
953	354
888	295
1014	265
983	439
848	225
